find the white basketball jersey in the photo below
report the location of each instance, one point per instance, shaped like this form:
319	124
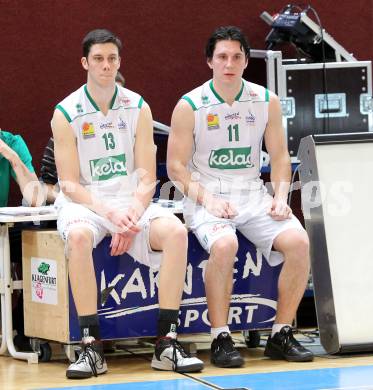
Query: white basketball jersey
105	143
228	139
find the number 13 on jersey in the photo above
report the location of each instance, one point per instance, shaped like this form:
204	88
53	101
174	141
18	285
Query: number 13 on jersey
109	141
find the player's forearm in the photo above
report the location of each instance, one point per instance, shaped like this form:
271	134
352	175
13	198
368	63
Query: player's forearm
198	193
33	192
280	177
78	194
143	196
51	192
188	184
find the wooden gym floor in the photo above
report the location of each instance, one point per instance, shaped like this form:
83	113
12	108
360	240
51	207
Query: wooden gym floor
130	369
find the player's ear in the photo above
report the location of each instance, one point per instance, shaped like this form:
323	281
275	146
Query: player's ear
84	62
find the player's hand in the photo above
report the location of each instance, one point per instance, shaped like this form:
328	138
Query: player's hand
220	208
121	242
124	220
6	151
279	210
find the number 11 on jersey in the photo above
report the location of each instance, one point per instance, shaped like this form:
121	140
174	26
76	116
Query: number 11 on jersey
236	133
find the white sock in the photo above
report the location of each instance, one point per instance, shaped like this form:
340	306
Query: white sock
216	331
88	339
172	335
277	327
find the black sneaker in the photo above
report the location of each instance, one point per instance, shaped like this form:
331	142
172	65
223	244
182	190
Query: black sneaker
284	346
223	352
169	355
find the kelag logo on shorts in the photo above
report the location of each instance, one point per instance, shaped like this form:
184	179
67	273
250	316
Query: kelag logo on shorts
231	158
108	167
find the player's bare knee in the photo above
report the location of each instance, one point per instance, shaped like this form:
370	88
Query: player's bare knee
177	233
297	249
225	248
302	245
79	239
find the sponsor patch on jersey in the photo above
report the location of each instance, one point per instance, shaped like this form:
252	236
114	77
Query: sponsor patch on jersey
122	125
108	167
250	119
205	100
106	126
124	100
88	130
213	122
231	158
253	94
79	108
234	116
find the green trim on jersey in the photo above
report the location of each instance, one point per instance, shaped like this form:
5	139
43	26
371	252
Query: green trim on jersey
66	115
221	100
189	100
239	93
94	103
267	95
215	93
113	98
90	98
141	101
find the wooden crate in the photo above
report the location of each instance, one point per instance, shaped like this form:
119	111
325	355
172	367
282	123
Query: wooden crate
45	286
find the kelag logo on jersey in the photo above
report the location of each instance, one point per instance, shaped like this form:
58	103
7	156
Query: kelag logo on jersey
108	167
231	158
213	122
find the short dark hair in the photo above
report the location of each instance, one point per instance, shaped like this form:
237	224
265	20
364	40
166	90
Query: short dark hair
227	33
99	36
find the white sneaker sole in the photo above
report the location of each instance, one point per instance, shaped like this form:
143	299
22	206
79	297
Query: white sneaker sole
168	366
77	374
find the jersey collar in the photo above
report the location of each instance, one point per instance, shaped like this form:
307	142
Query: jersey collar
221	100
94	103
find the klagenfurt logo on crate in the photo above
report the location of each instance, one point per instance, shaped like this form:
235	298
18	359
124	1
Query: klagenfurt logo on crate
44	281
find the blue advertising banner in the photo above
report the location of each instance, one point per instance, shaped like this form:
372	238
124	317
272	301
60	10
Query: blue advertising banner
128	293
